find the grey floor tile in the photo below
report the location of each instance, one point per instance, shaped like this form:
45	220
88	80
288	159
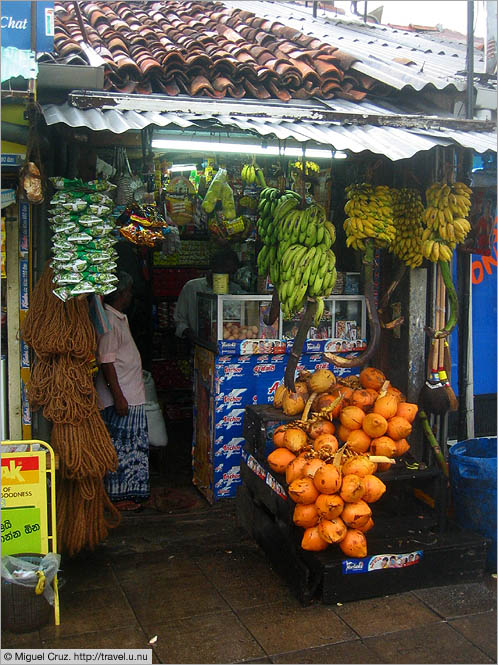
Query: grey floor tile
132	637
91	611
458	599
386	614
166	599
88	574
21	640
436	643
215	638
164	566
284	627
480	629
345	652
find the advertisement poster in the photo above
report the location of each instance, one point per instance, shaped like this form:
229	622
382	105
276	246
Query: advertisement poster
381	562
482	219
21	530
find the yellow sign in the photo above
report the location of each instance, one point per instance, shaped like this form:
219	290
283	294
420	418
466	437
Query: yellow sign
24	484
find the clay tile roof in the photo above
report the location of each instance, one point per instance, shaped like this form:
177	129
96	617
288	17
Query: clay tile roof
205	48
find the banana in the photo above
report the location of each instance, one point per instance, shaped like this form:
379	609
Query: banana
319	311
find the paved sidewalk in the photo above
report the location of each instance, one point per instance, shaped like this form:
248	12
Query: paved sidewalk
195	580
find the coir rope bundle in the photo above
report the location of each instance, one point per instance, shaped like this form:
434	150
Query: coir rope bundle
63	339
53	327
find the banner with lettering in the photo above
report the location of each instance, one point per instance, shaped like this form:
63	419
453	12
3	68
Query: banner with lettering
24	502
16	25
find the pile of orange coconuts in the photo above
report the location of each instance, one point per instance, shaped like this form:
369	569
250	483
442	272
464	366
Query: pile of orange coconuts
345	431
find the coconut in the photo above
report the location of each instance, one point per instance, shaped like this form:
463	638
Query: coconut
295	469
374	488
293	403
295	439
352	488
352	417
356	514
358	441
321	427
312	467
305	515
279	459
327	479
354	544
361	466
312	540
303	490
332	531
321	381
278	396
329	506
326	440
278	436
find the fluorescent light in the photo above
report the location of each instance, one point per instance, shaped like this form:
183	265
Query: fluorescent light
244	148
181	167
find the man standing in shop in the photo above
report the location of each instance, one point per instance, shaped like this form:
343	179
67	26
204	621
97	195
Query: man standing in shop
121	394
224	261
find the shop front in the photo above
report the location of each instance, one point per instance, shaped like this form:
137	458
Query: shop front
163	226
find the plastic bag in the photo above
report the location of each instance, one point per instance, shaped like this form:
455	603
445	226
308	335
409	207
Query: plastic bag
24	573
214	192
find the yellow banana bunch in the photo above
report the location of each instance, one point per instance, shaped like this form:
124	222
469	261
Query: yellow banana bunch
447	210
308	166
408	212
370	215
251	174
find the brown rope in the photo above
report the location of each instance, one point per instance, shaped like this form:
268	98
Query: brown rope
64	342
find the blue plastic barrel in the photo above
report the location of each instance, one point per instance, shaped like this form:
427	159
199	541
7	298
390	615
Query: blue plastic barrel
473	486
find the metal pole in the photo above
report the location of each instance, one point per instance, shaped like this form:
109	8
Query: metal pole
365	13
464	266
315	7
470	60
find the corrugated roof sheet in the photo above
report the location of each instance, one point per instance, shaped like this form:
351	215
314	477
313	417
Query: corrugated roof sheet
382	50
394	142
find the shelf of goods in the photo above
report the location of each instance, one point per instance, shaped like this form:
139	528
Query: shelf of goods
406	528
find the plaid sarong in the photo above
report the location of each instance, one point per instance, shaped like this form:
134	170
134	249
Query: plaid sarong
130	439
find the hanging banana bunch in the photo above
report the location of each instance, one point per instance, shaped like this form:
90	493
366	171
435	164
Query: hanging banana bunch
370	215
297	251
408	215
251	174
446	220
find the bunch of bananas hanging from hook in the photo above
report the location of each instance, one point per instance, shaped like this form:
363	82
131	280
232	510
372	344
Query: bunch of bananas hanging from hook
446	215
408	216
370	215
309	167
296	252
252	174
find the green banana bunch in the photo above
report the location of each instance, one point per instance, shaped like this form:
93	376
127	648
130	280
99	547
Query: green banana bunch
408	211
370	215
296	250
447	210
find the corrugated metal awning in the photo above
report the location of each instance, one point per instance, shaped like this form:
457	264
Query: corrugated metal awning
393	142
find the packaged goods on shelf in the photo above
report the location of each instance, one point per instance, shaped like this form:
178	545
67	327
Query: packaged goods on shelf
83	253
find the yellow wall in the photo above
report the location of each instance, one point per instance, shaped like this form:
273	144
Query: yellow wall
14	113
15	148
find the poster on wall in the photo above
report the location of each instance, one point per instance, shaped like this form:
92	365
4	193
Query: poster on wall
482	218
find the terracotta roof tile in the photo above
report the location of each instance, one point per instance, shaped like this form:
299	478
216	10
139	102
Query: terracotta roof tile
204	48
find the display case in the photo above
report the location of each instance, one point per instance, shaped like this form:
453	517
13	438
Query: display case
343	324
235	323
238	321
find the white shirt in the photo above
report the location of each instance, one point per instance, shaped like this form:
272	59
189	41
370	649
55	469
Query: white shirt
185	315
118	347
